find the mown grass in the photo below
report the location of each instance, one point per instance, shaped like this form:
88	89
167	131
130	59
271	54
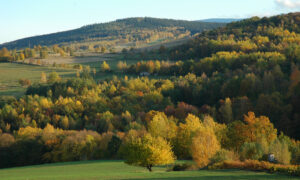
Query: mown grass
119	170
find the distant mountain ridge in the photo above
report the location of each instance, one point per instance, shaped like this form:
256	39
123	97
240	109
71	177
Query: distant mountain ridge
220	20
135	29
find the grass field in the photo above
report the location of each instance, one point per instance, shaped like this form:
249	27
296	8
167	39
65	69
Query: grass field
10	73
119	170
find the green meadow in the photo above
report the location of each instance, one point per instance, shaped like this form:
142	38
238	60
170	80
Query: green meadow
120	170
10	73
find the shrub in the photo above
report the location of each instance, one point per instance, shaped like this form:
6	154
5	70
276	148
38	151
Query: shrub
24	82
256	165
182	167
296	154
223	155
281	151
251	151
6	140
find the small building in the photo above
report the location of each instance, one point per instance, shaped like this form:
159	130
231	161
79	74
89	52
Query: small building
271	158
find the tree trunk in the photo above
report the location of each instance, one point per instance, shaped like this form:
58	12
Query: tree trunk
149	167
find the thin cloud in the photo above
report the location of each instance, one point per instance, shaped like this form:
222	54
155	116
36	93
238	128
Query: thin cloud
290	4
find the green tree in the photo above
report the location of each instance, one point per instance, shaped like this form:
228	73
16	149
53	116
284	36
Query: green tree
251	150
43	54
53	77
114	145
280	149
103	49
226	111
122	66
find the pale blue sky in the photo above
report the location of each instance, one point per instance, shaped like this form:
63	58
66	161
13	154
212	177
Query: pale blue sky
23	18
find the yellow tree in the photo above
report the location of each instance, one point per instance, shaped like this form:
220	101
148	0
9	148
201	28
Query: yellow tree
43	77
122	66
103	49
6	140
253	129
219	129
147	151
185	134
22	56
104	67
257	128
65	122
161	126
205	145
4	52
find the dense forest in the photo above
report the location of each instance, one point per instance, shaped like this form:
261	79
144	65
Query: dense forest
277	33
131	29
230	98
258	66
220	20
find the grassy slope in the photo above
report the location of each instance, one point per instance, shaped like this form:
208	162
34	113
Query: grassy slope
10	73
119	170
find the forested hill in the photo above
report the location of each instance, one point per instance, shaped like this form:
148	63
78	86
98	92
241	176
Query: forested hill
252	64
250	35
132	29
220	20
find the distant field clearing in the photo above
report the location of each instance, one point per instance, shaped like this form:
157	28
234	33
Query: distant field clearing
77	60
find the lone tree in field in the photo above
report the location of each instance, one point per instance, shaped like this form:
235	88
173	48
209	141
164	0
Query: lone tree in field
53	77
105	67
43	77
147	151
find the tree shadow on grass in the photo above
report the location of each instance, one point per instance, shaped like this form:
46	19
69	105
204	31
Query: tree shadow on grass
231	174
250	177
70	163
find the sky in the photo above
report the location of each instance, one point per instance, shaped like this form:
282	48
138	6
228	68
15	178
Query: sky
24	18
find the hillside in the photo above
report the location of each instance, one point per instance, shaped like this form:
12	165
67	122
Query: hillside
220	20
231	99
129	30
249	35
255	61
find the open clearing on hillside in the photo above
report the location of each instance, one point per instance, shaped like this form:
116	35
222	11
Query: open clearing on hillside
93	57
119	170
10	73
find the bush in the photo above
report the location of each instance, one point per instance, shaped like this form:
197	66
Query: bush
296	154
223	155
182	167
256	165
24	82
251	151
